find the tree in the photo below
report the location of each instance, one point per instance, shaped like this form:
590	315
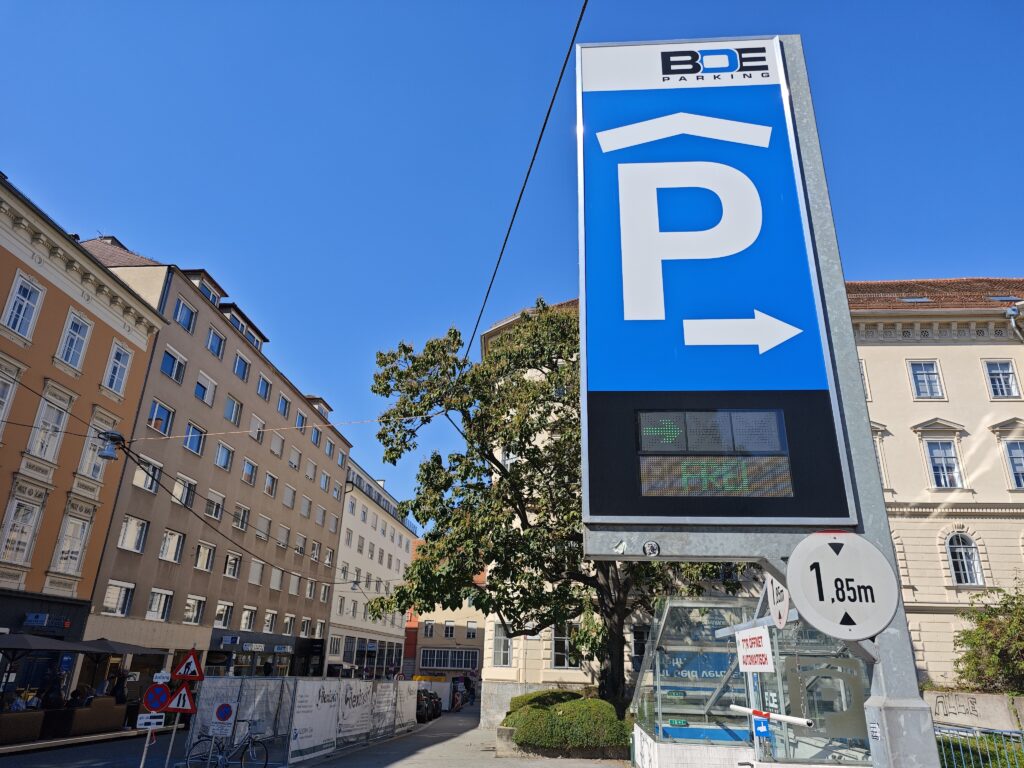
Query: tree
509	502
992	645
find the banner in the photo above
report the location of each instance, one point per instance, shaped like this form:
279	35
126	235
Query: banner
383	711
405	716
354	710
314	722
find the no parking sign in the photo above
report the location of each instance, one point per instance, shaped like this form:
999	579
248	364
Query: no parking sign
223	719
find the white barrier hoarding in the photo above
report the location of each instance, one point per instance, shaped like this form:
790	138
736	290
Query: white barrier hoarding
405	713
315	719
383	718
354	710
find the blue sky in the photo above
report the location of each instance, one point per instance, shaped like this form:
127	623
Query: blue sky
347	170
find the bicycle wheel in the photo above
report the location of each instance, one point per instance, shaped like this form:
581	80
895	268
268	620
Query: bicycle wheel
199	755
255	755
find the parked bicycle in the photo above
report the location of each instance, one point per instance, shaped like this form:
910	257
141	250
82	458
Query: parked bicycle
217	752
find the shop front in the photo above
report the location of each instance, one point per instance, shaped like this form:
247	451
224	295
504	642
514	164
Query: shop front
48	616
249	654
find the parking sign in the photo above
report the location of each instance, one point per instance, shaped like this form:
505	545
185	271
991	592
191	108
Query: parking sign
709	376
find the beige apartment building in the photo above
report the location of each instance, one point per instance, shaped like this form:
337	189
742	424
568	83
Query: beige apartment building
941	362
374	550
227	520
74	341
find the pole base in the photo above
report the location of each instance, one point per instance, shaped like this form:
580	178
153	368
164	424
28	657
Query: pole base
900	732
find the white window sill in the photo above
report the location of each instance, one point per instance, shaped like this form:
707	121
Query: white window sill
111	394
17	338
967	587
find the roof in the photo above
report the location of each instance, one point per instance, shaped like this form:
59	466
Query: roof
951	293
110	252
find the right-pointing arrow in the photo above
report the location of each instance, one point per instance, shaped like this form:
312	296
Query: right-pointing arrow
763	331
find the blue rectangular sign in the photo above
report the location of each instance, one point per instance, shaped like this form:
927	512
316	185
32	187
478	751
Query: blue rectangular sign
707	365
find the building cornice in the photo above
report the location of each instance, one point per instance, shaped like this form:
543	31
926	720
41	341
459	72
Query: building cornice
59	259
939	511
953	327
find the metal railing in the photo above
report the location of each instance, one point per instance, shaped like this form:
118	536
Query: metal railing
979	747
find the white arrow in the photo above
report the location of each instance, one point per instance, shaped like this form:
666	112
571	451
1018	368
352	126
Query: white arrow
763	330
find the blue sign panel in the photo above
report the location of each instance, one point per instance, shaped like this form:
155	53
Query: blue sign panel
707	364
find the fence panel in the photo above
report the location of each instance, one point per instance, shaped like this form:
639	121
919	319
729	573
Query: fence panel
979	748
354	712
382	724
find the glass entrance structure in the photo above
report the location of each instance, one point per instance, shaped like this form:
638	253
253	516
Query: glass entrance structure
690	679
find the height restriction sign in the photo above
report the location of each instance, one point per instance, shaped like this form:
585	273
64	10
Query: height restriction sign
709	388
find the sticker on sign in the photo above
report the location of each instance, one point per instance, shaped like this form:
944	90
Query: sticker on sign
754	650
778	601
842	585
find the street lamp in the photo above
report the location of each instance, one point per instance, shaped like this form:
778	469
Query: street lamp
112	441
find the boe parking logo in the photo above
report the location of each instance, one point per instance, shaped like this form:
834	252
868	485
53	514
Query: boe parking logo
747	62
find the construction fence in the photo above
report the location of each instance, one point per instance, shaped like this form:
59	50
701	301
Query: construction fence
299	718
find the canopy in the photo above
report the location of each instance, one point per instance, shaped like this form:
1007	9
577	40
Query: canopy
14	646
105	647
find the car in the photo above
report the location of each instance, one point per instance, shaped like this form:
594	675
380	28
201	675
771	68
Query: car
424	706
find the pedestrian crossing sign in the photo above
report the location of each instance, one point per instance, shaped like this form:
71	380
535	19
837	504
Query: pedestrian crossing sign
189	669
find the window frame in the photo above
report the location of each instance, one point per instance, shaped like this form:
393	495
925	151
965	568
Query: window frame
19	278
179	303
976	565
140	540
154	402
225	448
111	362
961	475
180	366
248	367
211	388
29	532
1015	380
191	429
942	396
174	557
260	381
74	314
213	332
128	592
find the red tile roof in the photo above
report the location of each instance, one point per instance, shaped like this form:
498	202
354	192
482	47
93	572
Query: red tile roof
111	252
951	293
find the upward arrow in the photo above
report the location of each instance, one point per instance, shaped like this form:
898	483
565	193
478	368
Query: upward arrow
763	331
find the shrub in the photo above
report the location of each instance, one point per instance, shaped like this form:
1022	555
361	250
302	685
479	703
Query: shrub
575	724
992	644
542	699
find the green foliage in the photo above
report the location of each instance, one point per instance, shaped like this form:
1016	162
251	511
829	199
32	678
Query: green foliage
542	699
508	503
992	645
576	724
984	752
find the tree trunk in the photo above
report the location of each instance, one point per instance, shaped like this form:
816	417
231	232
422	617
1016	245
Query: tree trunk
615	680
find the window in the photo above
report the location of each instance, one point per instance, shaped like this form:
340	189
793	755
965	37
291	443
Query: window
321	513
428	628
263	527
276	576
341	459
304	627
449	629
194	607
205	555
171	545
117	368
927	383
325	593
18	533
320	626
241	367
44	442
348	537
214	505
329	448
23	306
233	410
341	605
67	557
307	507
471	630
195	438
502	647
288	497
300	543
334	646
448	658
284	534
864	380
355	608
248	620
964	560
300	421
294	457
269	621
332	524
1015	457
133	534
389	562
328	556
222	619
232	565
945	466
276	444
206	388
310	589
351	506
564	655
315	436
159	608
263	387
117	600
172	365
270	485
363	514
310	469
215	343
336	491
256	425
241	521
314	551
225	456
161	417
185	314
325	481
184	491
72	343
147	475
360	545
249	471
370	554
91	465
1002	380
256	572
289	624
284	405
641	634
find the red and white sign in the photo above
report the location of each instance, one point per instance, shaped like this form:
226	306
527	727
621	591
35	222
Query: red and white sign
754	650
182	701
189	669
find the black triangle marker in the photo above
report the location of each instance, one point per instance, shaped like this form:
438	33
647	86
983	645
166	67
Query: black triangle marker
846	621
836	547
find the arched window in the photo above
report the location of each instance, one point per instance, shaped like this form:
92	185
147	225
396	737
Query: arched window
964	560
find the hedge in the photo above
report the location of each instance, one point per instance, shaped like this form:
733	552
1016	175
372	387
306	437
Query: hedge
542	699
575	724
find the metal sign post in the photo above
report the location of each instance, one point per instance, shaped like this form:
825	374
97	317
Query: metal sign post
723	412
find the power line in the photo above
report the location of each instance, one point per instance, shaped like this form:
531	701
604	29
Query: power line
526	178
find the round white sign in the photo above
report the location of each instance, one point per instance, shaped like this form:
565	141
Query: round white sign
842	585
778	601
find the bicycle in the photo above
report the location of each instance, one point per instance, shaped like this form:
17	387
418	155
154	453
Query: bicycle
213	752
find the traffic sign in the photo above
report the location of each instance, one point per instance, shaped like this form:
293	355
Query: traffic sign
708	368
162	677
190	668
152	720
156	697
842	585
182	700
223	719
754	650
778	601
